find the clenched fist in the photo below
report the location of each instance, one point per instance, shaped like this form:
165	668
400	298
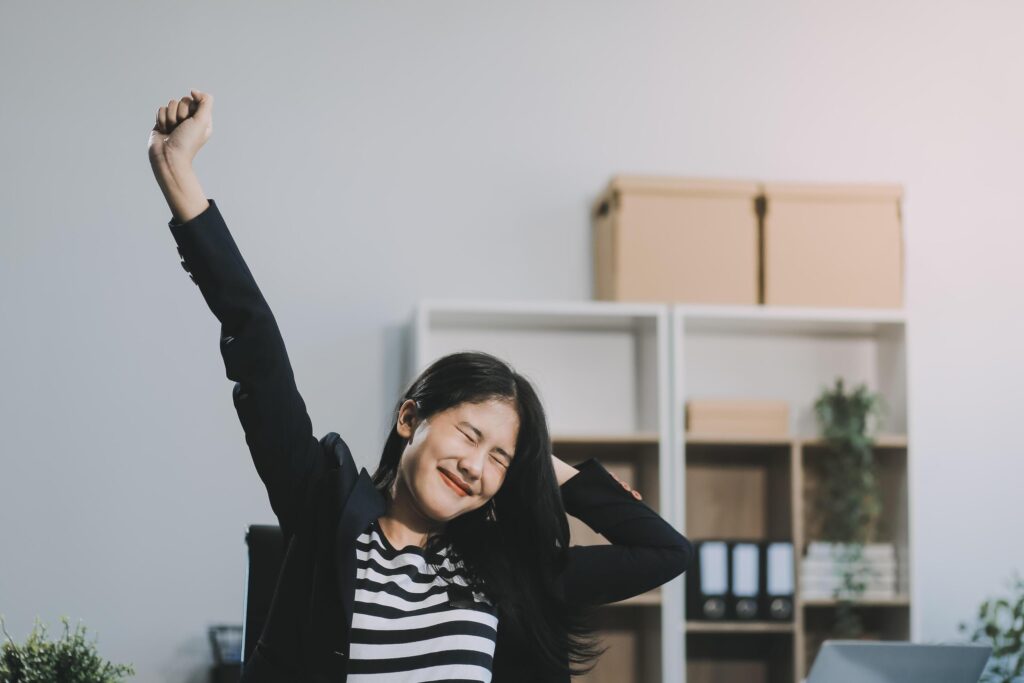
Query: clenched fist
182	127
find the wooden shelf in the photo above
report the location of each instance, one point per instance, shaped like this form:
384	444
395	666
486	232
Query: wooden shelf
739	627
898	601
736	439
882	441
652	597
601	439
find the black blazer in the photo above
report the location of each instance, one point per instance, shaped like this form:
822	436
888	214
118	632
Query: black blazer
322	503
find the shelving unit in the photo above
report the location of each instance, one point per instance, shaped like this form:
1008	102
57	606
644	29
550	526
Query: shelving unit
602	370
763	488
614	379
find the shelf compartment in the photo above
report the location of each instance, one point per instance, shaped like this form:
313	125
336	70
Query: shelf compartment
791	355
725	657
572	352
881	622
739	492
632	634
894	526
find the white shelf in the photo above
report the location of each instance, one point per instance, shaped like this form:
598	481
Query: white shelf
790	319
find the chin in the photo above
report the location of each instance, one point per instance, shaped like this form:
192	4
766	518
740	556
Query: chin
438	506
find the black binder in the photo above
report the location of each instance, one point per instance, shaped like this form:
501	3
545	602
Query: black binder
779	570
746	580
746	584
707	581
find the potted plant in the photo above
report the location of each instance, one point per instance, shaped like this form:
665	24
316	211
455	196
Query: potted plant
68	660
849	499
1000	623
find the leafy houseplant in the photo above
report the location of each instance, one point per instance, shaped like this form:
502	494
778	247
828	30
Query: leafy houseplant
68	660
849	499
1000	623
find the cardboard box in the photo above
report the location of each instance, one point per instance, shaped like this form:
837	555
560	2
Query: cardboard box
833	245
676	241
737	417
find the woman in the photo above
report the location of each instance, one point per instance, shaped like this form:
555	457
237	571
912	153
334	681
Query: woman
452	561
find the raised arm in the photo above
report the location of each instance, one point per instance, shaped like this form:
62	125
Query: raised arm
645	551
277	427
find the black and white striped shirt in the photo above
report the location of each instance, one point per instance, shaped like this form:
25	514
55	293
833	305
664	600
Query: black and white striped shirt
404	628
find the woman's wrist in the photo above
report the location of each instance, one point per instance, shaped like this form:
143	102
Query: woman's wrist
180	185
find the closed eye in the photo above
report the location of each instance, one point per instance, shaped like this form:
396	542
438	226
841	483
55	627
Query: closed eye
497	459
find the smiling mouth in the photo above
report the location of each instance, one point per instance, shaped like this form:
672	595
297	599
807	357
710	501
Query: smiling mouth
448	480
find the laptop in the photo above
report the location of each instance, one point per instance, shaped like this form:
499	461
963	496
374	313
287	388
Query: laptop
859	661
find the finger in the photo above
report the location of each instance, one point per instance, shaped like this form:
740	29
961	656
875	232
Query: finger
172	113
161	117
183	108
636	494
204	101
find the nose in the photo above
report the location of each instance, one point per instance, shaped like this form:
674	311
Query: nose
471	466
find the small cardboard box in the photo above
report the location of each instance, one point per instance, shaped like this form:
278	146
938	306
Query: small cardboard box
677	241
737	417
833	245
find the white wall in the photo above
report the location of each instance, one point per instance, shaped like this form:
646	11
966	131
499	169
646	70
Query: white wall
366	155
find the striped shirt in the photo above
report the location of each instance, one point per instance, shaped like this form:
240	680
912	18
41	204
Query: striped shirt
403	625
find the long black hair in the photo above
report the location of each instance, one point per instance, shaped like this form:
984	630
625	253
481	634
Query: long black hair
514	548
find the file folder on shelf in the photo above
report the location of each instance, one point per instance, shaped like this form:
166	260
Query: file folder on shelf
780	585
745	598
708	581
741	581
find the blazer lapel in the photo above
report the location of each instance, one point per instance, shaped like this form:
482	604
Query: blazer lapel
363	505
329	630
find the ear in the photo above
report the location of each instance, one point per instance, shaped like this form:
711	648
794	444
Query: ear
408	418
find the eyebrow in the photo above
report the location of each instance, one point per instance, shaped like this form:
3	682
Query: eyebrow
480	435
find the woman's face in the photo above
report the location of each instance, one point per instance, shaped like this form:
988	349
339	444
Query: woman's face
458	458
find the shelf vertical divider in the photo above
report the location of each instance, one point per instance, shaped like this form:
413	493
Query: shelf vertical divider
797	492
673	491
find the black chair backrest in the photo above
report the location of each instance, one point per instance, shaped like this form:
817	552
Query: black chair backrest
266	552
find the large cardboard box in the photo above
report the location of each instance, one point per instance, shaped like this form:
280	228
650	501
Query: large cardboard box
833	245
737	417
676	240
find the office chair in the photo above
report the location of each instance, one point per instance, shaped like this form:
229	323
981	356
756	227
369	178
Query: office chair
266	553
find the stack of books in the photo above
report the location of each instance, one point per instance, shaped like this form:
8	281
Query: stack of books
837	570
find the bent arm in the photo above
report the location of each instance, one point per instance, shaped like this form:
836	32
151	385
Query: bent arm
645	551
277	427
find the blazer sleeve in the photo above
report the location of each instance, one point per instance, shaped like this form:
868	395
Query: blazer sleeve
278	431
645	550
